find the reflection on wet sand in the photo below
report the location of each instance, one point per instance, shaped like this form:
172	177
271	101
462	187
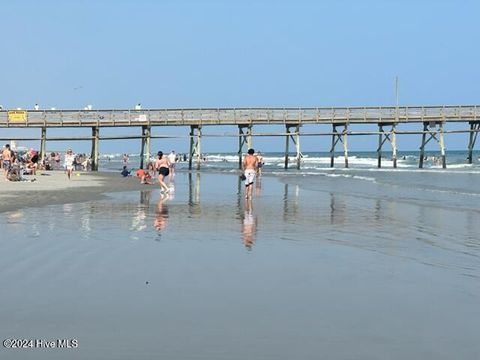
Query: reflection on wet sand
258	186
337	210
249	225
194	194
161	213
290	208
138	220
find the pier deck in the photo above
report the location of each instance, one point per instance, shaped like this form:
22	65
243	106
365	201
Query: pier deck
242	116
431	118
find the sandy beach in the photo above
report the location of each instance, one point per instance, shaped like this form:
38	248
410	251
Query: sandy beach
314	265
53	187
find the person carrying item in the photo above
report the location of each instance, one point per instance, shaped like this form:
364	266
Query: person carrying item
250	164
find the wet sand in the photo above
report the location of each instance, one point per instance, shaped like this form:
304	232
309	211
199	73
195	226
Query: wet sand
53	187
309	270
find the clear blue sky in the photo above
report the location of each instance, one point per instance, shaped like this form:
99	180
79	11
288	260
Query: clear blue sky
116	53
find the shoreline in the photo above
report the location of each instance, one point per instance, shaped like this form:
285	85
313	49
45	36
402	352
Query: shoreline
53	187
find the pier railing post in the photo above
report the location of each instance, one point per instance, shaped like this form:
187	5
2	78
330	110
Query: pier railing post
95	147
43	145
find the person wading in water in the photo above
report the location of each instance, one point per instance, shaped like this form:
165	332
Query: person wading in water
250	163
162	165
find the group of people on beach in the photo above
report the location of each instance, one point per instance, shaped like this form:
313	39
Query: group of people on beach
15	164
163	165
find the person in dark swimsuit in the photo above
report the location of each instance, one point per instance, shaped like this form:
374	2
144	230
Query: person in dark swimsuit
162	164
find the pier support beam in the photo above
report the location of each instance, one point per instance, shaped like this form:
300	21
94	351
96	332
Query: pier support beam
146	146
384	136
381	140
295	137
474	128
43	145
244	138
394	146
95	156
195	146
430	132
339	137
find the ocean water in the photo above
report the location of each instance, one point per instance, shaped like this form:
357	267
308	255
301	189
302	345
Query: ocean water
356	263
317	161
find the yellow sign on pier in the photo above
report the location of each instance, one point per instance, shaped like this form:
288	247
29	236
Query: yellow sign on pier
17	116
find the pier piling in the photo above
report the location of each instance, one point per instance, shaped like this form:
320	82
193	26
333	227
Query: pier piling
380	144
145	151
422	146
244	138
384	136
393	142
195	146
43	145
474	128
295	138
339	137
95	147
432	134
287	143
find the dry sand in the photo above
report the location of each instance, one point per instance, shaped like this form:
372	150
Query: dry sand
53	187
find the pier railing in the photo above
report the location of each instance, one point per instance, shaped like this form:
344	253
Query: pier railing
238	116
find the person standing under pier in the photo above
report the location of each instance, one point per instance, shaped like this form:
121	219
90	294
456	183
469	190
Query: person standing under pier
69	163
172	157
6	159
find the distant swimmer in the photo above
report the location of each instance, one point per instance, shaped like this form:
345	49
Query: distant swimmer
260	163
250	164
125	159
172	157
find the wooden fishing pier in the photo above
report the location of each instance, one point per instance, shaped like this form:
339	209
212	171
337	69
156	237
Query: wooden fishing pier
431	121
